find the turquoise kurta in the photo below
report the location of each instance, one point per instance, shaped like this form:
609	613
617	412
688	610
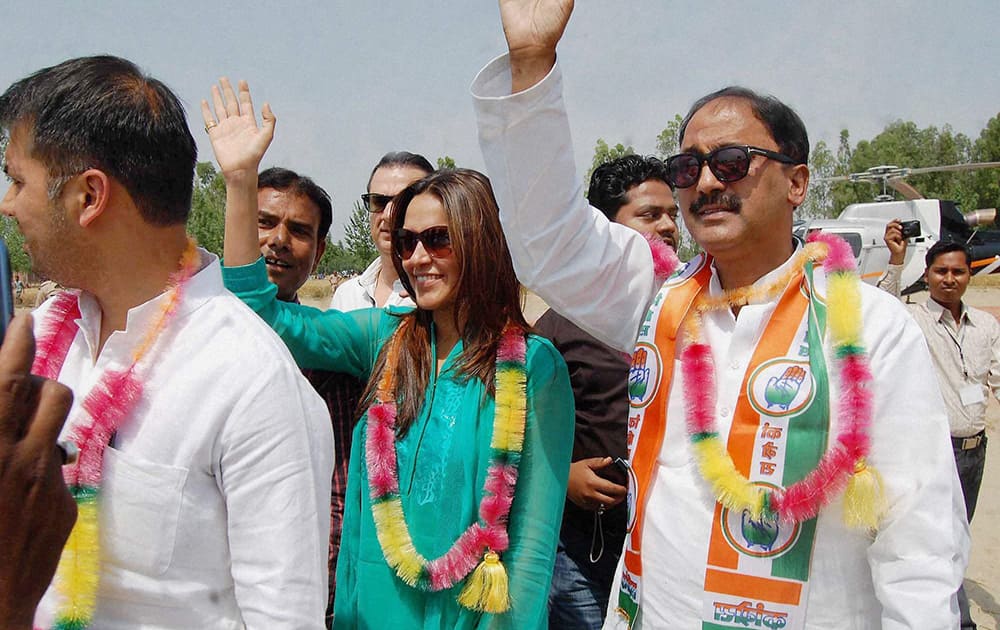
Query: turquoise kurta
442	464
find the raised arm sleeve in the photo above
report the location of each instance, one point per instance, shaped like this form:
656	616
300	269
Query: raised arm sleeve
536	514
889	281
317	339
596	273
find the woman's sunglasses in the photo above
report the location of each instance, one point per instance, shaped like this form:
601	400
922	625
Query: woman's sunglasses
435	239
728	164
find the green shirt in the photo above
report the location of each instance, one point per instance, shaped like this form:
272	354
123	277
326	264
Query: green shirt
442	463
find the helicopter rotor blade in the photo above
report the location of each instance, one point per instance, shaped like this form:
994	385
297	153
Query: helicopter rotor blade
973	166
908	192
893	173
832	180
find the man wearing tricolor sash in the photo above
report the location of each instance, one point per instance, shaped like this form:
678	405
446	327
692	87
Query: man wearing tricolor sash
787	439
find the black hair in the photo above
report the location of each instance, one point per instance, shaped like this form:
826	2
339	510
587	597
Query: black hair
402	158
785	126
102	112
287	180
611	181
946	247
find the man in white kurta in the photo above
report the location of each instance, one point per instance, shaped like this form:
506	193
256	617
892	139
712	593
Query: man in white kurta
215	495
212	488
602	277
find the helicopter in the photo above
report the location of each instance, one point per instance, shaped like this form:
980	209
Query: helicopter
862	225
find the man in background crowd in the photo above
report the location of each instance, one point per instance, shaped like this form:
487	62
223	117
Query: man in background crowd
965	348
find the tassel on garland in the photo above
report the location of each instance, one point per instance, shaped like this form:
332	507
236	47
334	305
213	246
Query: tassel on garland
486	589
864	499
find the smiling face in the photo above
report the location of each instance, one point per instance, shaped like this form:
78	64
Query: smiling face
288	232
388	180
43	222
434	279
749	218
650	209
948	278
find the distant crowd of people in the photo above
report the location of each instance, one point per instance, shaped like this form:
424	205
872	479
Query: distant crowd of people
750	438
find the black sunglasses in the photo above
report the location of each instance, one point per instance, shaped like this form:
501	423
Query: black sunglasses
375	202
435	239
728	164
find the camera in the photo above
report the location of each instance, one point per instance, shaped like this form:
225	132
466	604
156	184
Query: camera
910	229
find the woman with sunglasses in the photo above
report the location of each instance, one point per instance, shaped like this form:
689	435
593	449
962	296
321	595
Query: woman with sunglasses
459	464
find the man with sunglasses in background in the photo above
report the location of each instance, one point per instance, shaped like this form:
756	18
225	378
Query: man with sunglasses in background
379	285
752	403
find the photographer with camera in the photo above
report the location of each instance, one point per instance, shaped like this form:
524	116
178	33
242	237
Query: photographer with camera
965	347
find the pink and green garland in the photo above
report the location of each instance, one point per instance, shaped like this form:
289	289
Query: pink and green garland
477	550
106	408
844	465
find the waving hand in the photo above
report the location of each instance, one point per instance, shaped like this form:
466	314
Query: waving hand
239	144
533	28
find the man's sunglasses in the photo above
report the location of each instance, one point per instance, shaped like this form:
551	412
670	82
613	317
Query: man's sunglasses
375	202
728	164
435	239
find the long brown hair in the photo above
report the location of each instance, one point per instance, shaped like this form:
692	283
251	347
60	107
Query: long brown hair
488	294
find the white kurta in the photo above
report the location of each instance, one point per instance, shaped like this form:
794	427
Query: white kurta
601	277
359	292
215	500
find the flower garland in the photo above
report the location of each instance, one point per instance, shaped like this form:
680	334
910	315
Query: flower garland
486	590
844	464
106	406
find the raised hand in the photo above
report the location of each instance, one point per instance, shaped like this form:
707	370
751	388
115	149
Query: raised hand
895	242
533	28
238	142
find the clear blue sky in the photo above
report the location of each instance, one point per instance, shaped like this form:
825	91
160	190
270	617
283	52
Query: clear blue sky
350	81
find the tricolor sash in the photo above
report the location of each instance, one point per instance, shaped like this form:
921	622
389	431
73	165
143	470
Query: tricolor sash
756	573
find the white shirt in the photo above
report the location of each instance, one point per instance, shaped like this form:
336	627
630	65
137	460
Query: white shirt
966	356
601	276
359	292
215	494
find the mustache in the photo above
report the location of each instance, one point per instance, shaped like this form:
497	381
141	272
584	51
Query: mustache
728	201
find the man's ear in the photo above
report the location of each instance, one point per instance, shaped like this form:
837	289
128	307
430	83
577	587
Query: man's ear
798	184
89	193
320	250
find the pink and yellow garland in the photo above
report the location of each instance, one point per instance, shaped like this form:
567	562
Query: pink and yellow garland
486	590
844	464
106	406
